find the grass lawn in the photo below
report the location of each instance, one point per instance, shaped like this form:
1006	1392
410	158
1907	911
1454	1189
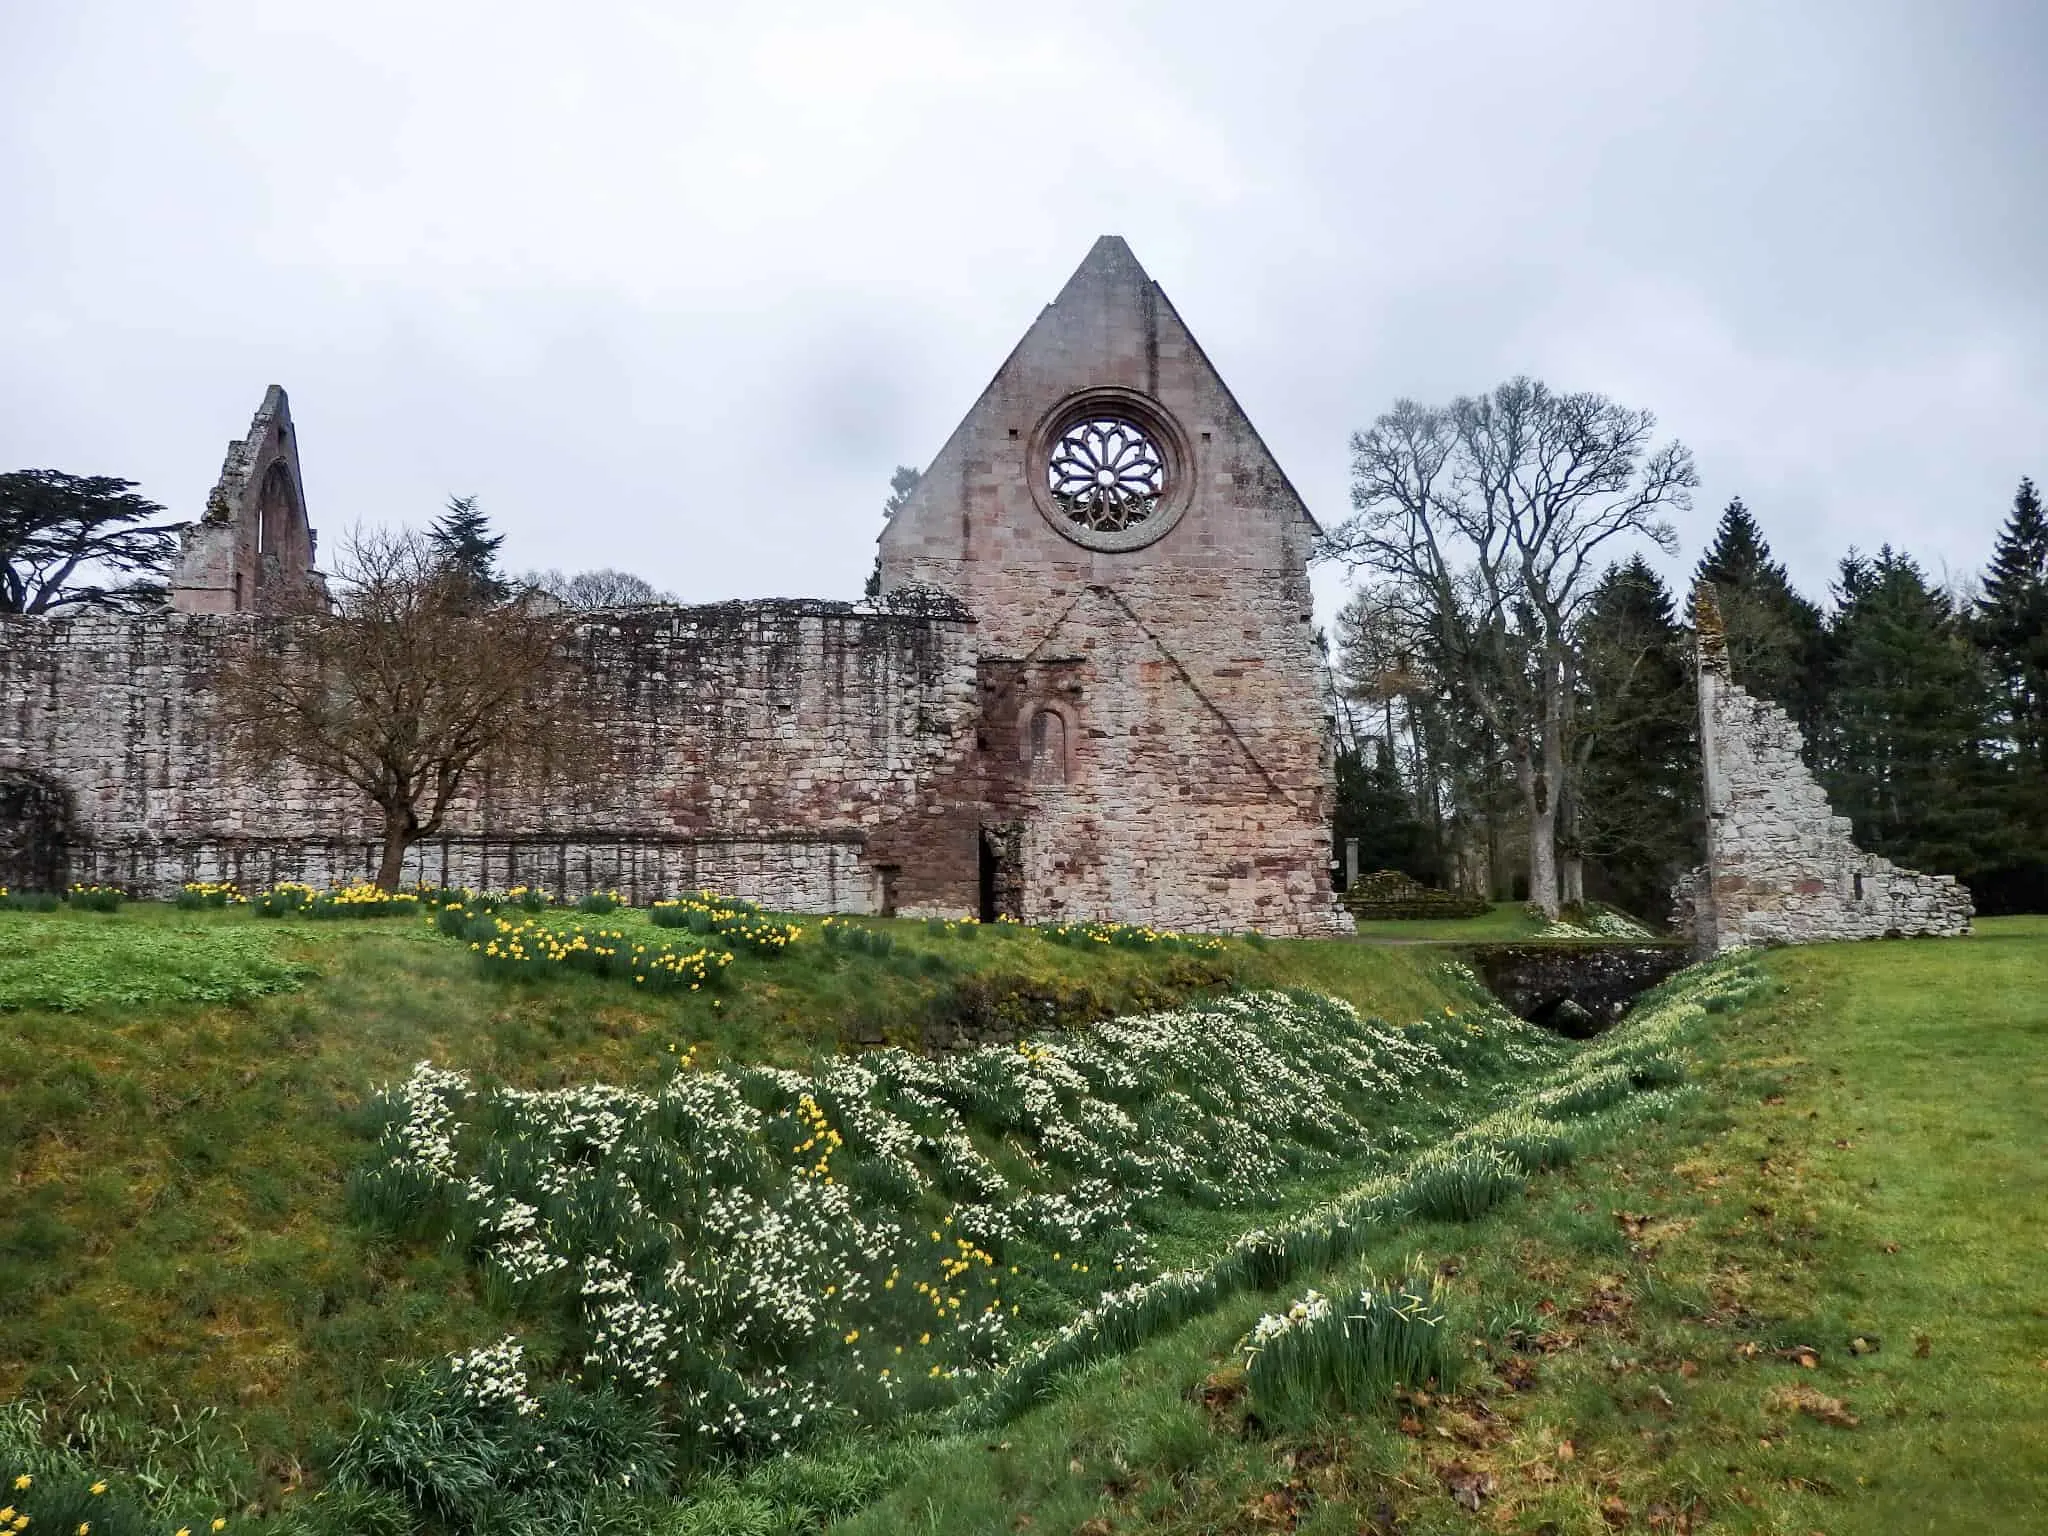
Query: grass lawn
1813	1302
1506	922
1810	1298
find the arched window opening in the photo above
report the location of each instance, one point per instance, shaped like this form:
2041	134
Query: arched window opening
276	511
1048	747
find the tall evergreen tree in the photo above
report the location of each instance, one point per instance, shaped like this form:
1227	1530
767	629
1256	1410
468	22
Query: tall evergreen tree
69	542
2010	626
1776	637
1638	821
462	538
1909	716
1373	806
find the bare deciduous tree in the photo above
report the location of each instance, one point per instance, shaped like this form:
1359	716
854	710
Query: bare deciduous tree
1491	517
605	588
408	690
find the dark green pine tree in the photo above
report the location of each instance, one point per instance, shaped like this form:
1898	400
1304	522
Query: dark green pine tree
1910	715
462	536
1373	806
1776	638
1638	822
2010	626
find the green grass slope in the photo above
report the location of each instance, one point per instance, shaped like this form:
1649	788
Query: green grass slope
182	1099
1811	1299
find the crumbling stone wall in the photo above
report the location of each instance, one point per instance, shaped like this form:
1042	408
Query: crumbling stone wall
252	550
1782	867
760	746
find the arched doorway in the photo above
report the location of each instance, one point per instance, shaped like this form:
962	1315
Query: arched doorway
35	831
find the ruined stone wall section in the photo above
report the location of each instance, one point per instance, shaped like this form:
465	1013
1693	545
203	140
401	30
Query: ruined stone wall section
1782	867
761	745
252	550
1201	771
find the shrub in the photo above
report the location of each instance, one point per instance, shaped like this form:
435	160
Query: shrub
1351	1352
596	902
28	901
96	898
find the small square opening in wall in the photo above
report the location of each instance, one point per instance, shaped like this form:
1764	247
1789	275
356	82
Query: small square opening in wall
1013	434
1205	437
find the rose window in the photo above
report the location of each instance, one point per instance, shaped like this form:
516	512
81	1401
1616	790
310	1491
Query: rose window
1106	474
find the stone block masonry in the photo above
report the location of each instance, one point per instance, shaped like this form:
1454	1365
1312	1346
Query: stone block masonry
1089	689
759	747
1782	867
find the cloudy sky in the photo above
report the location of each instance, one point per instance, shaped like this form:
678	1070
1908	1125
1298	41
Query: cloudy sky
673	287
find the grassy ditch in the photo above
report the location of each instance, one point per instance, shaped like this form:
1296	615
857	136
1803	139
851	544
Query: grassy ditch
184	1291
1803	1297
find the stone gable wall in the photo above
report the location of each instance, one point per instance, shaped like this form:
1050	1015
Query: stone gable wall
1782	867
1200	772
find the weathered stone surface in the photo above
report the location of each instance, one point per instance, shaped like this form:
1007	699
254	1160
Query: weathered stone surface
1184	772
760	746
1596	981
252	550
1781	867
1032	722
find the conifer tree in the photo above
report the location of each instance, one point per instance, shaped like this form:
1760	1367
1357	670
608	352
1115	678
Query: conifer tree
1909	716
462	538
2010	625
1638	823
1776	637
1373	806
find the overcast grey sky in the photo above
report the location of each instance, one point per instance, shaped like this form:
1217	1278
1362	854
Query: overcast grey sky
673	287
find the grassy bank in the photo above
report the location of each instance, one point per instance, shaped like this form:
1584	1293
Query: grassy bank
1798	1292
1810	1301
183	1097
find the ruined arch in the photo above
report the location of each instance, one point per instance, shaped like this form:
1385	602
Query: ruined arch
280	523
254	548
35	831
1047	738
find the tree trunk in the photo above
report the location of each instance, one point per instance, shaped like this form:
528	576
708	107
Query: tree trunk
1543	853
1571	864
398	835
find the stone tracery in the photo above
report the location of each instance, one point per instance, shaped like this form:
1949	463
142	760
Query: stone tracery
1106	474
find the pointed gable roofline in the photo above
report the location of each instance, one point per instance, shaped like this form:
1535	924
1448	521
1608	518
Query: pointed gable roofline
1108	260
1105	256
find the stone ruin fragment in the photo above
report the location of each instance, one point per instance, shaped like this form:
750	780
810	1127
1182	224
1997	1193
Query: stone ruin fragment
253	551
1782	867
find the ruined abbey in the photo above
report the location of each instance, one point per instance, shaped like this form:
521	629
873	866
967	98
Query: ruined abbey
1088	688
